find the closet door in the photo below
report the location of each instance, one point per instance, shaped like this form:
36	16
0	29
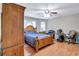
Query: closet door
12	26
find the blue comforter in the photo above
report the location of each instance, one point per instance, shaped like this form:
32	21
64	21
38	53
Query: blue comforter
30	37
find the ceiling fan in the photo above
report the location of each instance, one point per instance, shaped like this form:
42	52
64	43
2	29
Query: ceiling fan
50	13
46	12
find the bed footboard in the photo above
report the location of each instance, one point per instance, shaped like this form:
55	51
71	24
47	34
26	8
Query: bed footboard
43	42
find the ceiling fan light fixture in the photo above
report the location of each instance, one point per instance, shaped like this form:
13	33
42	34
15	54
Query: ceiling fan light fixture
46	11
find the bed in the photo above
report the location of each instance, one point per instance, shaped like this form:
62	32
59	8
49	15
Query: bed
35	39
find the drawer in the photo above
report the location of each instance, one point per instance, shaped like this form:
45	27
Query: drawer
14	51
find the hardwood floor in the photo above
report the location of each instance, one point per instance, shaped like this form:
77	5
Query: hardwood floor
56	49
28	50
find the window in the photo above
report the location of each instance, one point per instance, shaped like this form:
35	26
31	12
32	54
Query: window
34	24
42	26
27	23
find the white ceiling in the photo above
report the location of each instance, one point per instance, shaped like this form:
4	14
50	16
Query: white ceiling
36	10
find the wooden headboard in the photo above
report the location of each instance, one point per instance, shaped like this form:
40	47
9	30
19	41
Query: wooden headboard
31	28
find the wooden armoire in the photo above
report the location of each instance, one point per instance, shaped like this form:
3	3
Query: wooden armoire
12	29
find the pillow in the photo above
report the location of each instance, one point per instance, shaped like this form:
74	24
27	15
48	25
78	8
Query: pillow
72	32
29	32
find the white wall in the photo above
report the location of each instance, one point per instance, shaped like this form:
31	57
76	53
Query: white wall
0	27
37	21
0	34
66	23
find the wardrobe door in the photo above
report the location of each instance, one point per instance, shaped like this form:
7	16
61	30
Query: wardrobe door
14	51
12	25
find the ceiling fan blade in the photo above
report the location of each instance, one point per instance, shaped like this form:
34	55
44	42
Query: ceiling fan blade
53	12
